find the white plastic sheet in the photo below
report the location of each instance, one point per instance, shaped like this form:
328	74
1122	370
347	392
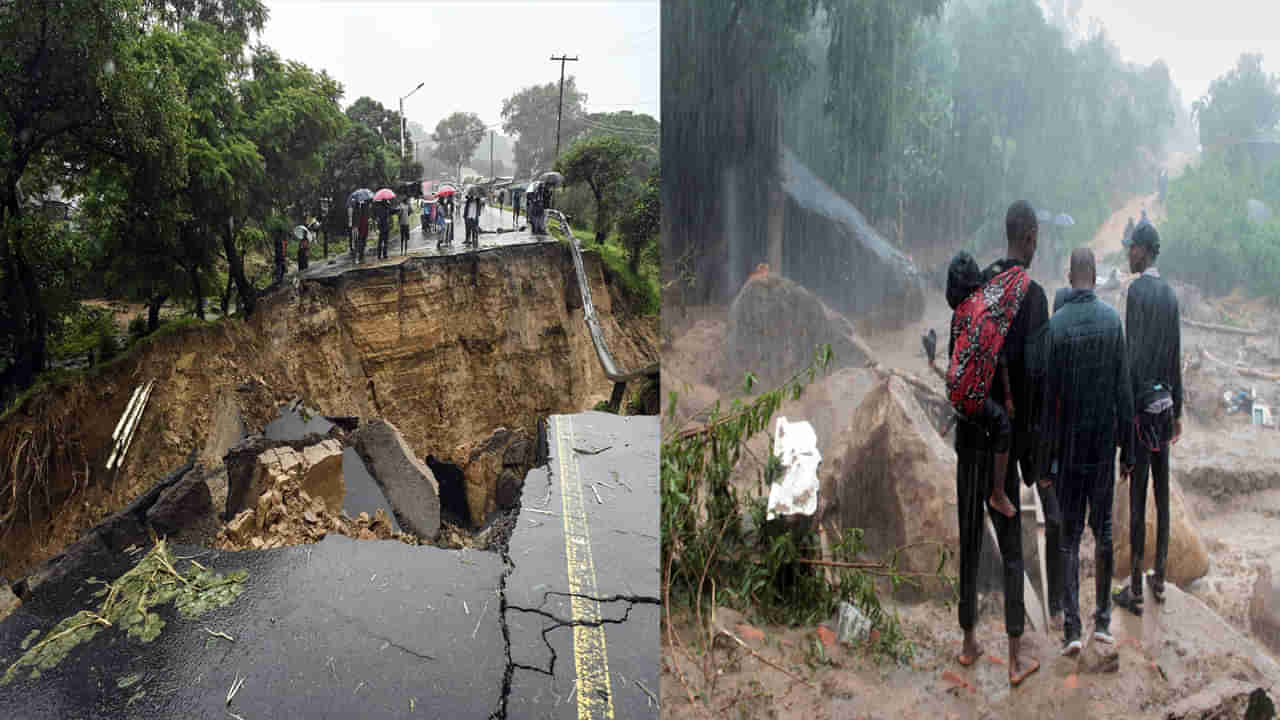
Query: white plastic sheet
796	445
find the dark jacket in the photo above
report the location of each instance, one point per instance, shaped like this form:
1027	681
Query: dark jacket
1030	319
1089	397
1153	332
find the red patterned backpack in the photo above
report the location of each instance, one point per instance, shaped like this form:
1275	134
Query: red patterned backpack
978	329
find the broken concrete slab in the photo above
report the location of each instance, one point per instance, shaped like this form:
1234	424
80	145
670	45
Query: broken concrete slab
322	475
184	504
407	482
483	468
226	429
244	484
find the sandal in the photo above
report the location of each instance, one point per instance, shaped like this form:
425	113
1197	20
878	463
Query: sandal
1127	599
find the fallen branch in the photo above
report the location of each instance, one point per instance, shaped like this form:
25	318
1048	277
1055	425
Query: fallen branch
764	659
1247	372
1221	328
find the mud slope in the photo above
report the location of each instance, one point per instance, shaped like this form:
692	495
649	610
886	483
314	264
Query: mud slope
447	349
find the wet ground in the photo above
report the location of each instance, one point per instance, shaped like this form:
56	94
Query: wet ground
564	625
496	231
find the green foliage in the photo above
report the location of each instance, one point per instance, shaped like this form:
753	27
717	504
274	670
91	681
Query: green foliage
385	123
1239	104
456	138
641	223
639	287
87	332
129	604
714	538
603	164
531	115
1208	239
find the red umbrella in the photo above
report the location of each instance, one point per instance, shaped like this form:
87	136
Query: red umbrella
384	194
446	190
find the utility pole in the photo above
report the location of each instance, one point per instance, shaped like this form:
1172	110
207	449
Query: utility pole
560	108
402	126
491	176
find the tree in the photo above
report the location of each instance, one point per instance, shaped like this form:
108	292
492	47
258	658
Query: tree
641	223
638	128
384	121
531	114
603	164
358	158
1239	104
456	137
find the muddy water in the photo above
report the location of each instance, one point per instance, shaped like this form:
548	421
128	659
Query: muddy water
296	423
363	493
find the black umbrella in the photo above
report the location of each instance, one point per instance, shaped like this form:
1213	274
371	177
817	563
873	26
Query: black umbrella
359	196
552	178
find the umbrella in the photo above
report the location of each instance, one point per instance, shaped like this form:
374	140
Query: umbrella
552	178
533	187
1063	219
360	196
446	190
384	194
1044	216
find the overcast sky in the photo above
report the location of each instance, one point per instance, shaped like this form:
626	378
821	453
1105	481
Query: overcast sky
1198	40
474	54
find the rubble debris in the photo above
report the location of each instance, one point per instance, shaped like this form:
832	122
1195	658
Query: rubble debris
852	626
796	445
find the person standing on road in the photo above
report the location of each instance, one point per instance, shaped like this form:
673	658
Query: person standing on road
976	458
515	209
303	235
1091	399
404	226
383	211
1153	333
362	232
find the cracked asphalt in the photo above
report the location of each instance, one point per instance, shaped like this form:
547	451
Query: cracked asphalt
564	624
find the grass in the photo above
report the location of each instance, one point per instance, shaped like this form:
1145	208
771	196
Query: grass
52	379
640	288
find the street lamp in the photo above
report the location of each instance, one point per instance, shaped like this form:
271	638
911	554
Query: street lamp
402	124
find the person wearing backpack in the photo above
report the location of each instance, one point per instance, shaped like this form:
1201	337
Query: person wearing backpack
1015	311
1153	334
1091	400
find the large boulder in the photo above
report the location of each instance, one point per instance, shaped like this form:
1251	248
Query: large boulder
1188	557
1264	605
226	429
322	474
245	482
775	326
494	472
408	483
892	475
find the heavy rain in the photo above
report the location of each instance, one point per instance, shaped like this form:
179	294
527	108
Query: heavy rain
970	351
329	359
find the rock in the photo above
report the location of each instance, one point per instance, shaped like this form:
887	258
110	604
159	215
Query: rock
1264	605
226	429
510	484
484	466
367	534
184	504
310	517
270	508
322	478
892	475
244	481
1223	698
775	326
8	601
406	481
1230	470
1188	558
239	528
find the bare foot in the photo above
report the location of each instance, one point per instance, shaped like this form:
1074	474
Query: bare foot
970	653
1001	503
1020	669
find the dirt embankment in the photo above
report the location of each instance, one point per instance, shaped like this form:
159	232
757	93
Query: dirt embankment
447	349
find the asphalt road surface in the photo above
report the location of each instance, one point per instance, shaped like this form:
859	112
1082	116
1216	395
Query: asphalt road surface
564	626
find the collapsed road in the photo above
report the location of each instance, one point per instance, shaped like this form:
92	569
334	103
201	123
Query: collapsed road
563	623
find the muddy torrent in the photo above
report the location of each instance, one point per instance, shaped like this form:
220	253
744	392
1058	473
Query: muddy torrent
286	427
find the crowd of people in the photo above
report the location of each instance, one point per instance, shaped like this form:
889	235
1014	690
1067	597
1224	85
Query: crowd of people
1049	401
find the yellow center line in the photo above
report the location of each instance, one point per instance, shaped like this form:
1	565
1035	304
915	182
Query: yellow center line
591	659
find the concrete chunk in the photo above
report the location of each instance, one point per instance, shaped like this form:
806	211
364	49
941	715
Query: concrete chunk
408	483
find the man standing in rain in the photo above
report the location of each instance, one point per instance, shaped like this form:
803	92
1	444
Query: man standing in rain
383	212
1091	401
403	219
1154	336
975	466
